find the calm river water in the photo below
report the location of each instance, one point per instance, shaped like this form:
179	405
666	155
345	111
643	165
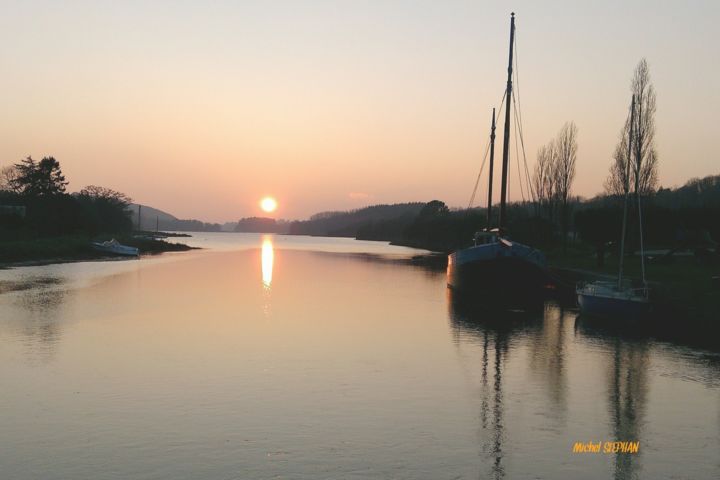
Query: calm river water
296	357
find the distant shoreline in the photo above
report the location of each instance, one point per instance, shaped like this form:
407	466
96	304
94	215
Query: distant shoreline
59	260
72	249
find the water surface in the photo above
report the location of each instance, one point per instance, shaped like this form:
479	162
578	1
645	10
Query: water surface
298	357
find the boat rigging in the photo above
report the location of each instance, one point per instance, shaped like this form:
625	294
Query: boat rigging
495	265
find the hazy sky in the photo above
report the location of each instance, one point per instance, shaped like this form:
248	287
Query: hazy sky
200	108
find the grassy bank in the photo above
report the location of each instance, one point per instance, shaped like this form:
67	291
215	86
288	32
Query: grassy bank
680	277
686	298
74	248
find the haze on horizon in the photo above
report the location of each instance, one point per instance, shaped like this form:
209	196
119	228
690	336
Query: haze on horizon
203	109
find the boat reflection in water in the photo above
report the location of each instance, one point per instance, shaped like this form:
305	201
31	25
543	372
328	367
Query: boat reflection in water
627	388
492	330
267	258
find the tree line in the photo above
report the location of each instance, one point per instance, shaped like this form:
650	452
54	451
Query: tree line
633	168
40	187
687	216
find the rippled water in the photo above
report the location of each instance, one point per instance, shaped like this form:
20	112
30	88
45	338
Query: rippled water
298	357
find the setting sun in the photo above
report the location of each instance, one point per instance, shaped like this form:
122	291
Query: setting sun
268	204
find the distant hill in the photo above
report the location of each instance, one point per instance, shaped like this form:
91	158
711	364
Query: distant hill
697	192
153	219
364	223
671	216
694	206
261	225
228	227
150	216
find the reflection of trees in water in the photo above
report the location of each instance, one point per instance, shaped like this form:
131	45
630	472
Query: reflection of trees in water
428	266
492	331
627	393
34	317
547	357
627	390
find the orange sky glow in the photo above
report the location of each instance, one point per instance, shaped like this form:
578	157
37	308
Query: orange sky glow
201	110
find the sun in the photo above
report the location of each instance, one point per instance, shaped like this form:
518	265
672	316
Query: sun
268	204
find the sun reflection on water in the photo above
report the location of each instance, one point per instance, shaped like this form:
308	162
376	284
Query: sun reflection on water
267	261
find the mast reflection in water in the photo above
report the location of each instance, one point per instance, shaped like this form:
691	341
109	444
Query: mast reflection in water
627	365
490	330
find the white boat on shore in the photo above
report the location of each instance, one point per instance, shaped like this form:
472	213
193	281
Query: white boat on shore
116	248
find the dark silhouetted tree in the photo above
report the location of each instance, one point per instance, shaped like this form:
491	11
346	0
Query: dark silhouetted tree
104	210
643	172
564	172
109	195
544	180
39	178
432	209
554	175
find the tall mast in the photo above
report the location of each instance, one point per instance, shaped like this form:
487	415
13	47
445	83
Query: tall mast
627	191
506	133
490	179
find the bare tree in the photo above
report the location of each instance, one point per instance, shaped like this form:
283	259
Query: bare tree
617	181
101	193
544	179
566	157
645	156
554	175
8	179
643	172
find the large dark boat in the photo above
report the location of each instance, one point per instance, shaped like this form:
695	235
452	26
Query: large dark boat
495	265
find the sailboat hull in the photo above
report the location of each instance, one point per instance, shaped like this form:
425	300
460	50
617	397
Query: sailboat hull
499	271
501	274
609	300
613	308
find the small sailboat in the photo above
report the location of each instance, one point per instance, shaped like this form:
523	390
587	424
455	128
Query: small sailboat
496	266
609	299
619	300
116	248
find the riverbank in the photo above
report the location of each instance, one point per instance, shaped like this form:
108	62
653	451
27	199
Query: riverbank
686	298
74	248
684	289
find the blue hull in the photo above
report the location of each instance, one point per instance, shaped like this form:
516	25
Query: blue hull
613	308
498	275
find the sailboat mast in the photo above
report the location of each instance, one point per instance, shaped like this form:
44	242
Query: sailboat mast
490	175
506	133
627	191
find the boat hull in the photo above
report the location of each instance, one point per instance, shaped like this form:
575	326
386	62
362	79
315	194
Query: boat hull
613	308
495	274
116	249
